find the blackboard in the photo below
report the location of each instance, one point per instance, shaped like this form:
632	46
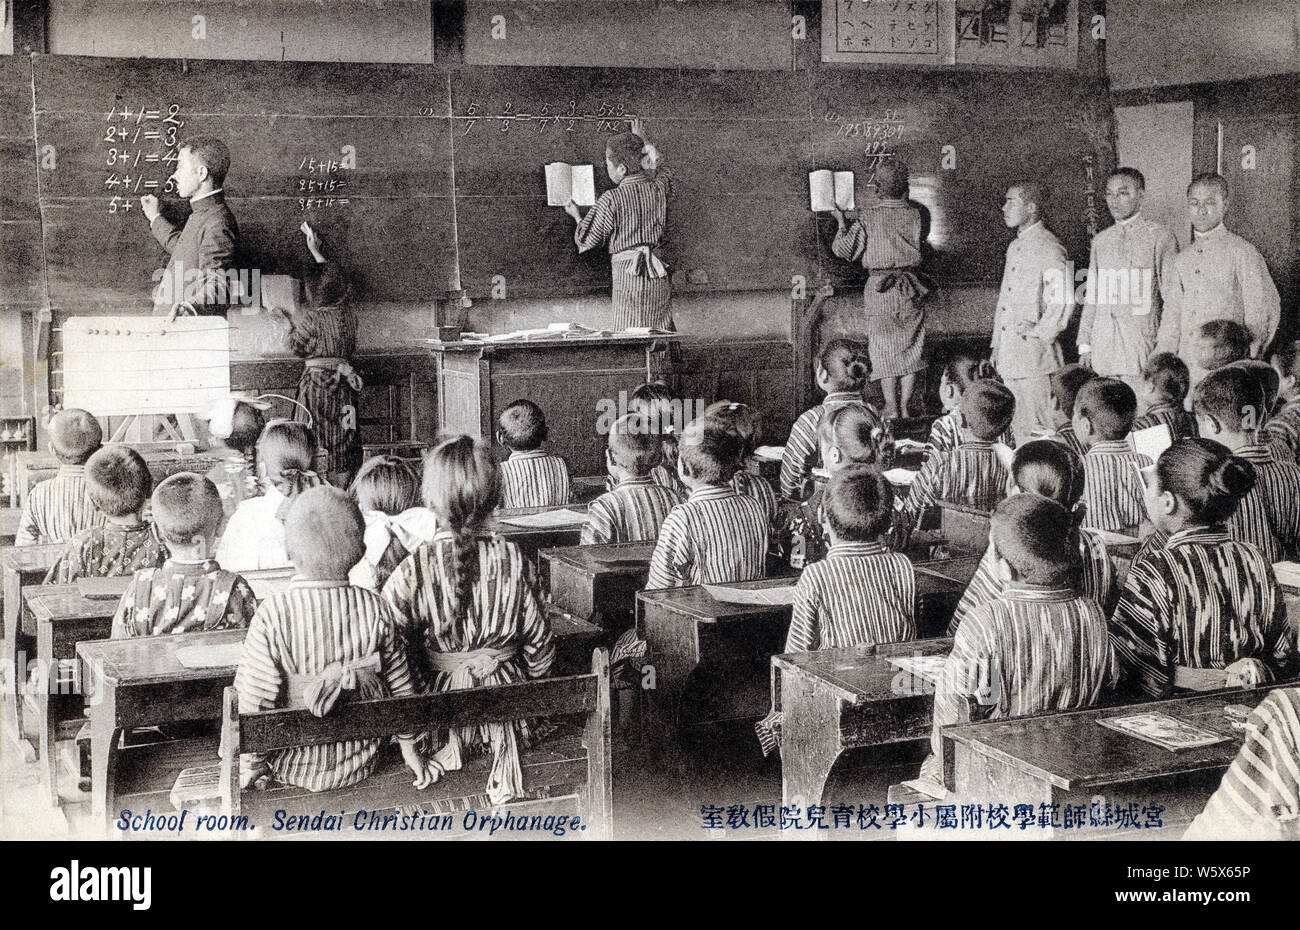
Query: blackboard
448	190
391	218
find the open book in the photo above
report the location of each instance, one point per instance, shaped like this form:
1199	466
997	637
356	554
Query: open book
827	189
547	519
565	182
781	596
1152	441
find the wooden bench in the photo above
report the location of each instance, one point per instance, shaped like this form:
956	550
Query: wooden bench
1069	758
566	773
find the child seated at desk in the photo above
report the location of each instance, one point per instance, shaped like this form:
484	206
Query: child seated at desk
1065	390
1112	490
1040	647
530	477
960	372
118	482
1269	384
470	606
716	535
1219	343
235	426
1259	797
1165	383
1204	609
635	509
860	593
973	472
387	491
1283	426
667	415
841	372
848	435
190	591
1228	404
60	507
254	536
744	421
315	640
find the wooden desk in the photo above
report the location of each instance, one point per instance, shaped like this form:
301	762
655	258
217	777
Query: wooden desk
1068	757
532	539
58	617
19	566
693	636
604	592
9	520
834	700
572	380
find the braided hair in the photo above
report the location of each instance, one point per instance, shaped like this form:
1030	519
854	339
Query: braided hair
462	487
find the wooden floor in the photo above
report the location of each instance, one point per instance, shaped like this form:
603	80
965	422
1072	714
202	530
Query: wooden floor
724	768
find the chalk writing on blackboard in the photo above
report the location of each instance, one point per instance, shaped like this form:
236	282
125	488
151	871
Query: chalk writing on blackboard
319	184
140	150
608	118
878	135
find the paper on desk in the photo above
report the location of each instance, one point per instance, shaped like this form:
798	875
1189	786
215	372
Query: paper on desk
216	655
1288	573
926	668
770	453
780	596
1164	731
547	519
903	477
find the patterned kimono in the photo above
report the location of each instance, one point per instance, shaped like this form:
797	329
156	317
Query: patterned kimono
108	551
183	597
502	635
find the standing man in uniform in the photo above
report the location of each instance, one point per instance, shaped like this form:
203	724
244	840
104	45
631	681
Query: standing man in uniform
1122	310
1220	276
1033	309
204	248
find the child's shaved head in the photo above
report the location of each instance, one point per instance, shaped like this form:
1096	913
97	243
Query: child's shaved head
323	533
74	436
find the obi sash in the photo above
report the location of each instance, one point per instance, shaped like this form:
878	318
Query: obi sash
645	263
320	692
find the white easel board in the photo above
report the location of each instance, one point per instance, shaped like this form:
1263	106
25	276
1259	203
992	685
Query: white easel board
141	365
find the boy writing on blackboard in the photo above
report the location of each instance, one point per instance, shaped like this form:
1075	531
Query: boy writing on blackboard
204	247
630	220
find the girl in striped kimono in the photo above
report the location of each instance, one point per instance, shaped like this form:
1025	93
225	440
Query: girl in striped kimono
320	642
324	334
668	416
1203	611
629	220
387	490
841	373
1039	647
471	607
745	422
1259	797
886	239
1048	469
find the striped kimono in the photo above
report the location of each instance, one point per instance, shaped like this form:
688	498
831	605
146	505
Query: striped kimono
716	536
57	509
756	486
666	477
1202	601
183	597
108	551
629	219
501	636
1065	435
971	474
1096	580
311	630
632	512
1259	797
1181	422
1269	515
801	454
1283	427
945	435
1112	488
886	239
860	594
534	479
326	339
1035	649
